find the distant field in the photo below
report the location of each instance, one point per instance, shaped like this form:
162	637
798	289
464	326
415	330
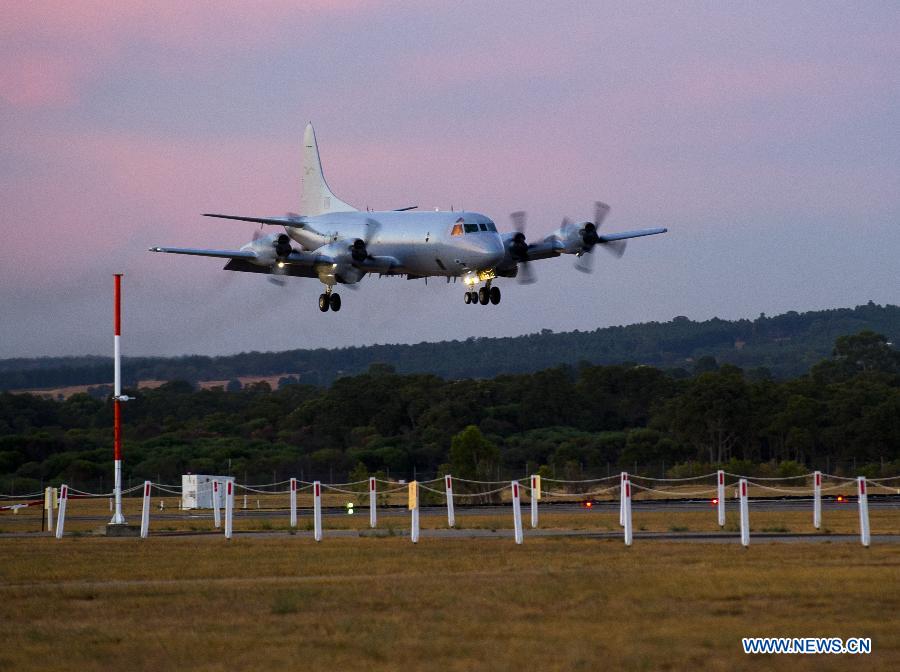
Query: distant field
202	603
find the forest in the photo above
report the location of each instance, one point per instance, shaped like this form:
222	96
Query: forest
569	421
785	345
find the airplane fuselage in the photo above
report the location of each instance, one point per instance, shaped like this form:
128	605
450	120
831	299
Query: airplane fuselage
425	243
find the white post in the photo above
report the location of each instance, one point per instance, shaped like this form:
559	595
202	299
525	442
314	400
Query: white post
414	507
623	479
745	513
293	502
448	491
817	499
720	495
217	517
627	502
145	512
517	512
229	507
61	520
317	511
49	505
373	495
864	536
535	497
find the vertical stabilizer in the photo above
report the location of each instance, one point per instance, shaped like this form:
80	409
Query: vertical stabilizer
315	196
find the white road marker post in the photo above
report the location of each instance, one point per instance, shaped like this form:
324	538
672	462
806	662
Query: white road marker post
61	520
293	502
217	516
745	513
623	479
817	499
517	512
414	507
627	501
448	491
145	511
317	511
864	536
229	507
373	496
535	498
720	495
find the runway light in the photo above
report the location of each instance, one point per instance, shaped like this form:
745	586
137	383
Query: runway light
841	498
714	501
350	508
588	504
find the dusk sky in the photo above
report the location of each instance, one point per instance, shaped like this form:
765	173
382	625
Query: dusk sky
764	135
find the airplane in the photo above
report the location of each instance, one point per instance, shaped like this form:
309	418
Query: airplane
340	245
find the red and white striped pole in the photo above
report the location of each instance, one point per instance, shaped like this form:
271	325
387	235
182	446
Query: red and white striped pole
293	502
118	518
373	494
448	491
517	512
623	479
720	495
817	499
745	513
535	497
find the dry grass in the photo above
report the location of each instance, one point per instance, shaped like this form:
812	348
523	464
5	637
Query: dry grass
383	604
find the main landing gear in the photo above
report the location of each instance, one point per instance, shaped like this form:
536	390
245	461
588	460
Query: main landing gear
483	296
329	300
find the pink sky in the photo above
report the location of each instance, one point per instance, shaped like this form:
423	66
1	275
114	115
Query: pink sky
763	136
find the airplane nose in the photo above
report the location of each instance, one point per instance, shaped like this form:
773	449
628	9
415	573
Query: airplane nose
492	247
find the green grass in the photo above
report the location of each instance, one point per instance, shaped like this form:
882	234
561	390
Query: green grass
382	603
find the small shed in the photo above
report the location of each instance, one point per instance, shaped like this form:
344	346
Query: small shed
197	490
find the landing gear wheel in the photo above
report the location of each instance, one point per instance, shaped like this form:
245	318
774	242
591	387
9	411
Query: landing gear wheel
495	295
483	296
473	298
335	302
467	298
324	302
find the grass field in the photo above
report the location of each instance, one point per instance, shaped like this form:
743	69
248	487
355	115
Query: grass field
286	602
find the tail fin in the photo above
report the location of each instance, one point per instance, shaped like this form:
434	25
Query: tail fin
315	196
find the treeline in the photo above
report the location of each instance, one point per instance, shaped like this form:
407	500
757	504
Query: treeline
571	421
785	346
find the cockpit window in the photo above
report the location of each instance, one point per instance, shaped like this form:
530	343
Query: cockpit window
491	227
471	228
457	230
483	226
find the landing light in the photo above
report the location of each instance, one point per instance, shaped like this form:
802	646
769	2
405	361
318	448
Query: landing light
280	264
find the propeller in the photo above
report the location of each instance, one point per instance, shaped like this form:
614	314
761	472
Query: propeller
359	248
518	249
584	261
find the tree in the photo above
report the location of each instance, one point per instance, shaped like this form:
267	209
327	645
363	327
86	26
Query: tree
472	455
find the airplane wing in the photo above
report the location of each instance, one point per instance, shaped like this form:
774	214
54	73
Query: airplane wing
221	254
631	234
294	221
